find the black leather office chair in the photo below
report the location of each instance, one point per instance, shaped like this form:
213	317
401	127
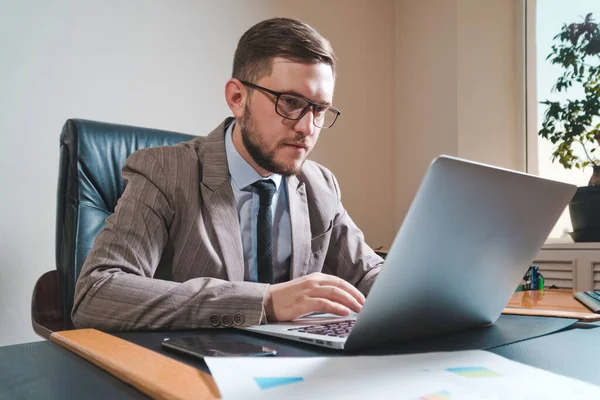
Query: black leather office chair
89	184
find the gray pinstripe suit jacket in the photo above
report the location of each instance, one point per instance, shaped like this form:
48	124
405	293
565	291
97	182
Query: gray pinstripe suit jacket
177	220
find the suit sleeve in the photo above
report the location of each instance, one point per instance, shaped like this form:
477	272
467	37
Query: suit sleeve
116	289
348	256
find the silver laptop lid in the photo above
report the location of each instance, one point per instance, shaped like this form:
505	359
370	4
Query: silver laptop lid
470	235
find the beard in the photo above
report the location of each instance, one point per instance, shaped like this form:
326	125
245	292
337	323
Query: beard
259	151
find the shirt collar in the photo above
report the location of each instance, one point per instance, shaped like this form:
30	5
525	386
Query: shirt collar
242	173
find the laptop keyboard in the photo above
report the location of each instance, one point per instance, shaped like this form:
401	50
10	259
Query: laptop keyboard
338	329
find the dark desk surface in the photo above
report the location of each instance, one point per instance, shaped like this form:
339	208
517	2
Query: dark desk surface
574	352
508	329
44	370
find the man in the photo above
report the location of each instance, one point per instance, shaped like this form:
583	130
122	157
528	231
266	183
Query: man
235	228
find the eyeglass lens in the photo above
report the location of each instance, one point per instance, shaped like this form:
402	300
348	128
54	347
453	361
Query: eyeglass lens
292	107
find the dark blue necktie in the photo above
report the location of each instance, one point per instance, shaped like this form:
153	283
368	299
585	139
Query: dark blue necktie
264	230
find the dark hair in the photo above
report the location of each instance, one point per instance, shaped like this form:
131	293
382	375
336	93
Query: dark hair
279	37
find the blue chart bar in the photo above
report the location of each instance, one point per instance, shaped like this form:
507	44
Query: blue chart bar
271	382
474	372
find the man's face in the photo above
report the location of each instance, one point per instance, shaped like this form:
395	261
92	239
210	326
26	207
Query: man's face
276	144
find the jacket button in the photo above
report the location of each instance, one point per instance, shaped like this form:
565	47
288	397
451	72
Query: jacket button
238	318
214	320
226	320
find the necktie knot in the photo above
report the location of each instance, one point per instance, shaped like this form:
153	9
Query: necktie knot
266	190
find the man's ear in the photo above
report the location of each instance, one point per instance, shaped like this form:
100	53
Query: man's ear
235	96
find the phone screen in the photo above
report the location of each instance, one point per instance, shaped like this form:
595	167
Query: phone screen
215	345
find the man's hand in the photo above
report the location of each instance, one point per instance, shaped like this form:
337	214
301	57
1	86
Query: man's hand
316	292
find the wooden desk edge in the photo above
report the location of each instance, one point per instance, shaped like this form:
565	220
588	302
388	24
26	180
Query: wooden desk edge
144	369
584	317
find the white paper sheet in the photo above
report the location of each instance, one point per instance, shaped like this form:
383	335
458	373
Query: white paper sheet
430	376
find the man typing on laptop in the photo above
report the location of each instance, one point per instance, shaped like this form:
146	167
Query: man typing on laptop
245	228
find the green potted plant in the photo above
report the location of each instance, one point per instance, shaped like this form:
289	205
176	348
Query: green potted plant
573	125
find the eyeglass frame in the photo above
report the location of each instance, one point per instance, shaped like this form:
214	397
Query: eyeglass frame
311	104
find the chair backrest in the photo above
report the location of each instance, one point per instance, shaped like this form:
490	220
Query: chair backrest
89	184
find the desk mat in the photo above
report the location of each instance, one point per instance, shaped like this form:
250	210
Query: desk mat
508	329
45	370
574	353
157	376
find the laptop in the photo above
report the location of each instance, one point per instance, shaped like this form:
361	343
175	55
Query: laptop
470	235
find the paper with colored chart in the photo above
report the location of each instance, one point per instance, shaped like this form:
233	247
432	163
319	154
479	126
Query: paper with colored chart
430	376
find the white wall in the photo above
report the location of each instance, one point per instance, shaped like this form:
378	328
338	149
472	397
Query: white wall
163	64
459	87
426	91
406	86
490	94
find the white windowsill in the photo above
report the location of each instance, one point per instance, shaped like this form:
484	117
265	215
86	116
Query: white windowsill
568	244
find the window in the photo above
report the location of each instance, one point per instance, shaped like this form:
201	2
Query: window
548	17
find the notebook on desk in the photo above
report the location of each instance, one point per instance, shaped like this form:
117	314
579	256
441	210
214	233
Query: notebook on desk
471	233
591	299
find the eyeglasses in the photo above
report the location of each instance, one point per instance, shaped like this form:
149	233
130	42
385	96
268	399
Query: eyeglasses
293	107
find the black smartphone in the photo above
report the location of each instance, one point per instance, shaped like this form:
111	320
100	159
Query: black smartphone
214	345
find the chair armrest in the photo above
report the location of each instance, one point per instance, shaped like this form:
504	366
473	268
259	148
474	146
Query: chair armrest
46	305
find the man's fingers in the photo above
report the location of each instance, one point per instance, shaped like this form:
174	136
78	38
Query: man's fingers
337	295
316	292
319	304
342	284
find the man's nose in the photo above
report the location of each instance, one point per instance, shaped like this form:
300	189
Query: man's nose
305	125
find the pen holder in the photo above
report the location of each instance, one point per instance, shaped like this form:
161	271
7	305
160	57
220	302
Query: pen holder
533	280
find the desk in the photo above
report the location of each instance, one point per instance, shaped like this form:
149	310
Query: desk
47	371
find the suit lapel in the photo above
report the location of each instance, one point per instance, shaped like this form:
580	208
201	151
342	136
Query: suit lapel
218	198
300	226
